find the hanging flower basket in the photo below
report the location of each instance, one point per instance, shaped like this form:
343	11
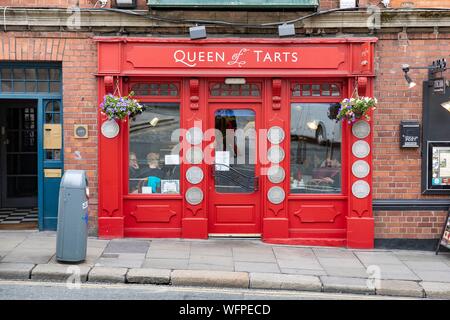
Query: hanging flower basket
355	108
121	107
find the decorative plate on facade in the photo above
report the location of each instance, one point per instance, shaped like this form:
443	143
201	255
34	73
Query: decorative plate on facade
276	195
194	155
360	189
275	154
275	174
194	175
361	149
194	136
194	195
361	129
360	169
275	135
110	128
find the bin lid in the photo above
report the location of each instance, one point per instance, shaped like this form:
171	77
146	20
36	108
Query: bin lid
74	179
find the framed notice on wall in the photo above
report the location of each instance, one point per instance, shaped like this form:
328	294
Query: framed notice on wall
438	166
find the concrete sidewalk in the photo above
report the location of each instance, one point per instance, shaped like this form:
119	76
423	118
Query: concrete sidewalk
231	263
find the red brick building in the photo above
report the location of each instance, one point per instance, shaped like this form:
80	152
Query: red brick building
45	34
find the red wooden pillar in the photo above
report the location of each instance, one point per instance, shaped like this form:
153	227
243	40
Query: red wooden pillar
110	215
276	112
360	222
194	222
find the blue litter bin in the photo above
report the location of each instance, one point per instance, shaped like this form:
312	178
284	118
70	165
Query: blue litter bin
72	229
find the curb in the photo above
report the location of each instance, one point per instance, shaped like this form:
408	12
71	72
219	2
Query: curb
224	279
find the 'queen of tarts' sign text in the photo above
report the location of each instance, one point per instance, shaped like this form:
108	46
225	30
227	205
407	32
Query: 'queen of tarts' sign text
233	56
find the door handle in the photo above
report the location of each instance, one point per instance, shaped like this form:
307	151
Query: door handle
256	184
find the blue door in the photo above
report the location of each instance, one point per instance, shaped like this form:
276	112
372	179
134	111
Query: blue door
31	94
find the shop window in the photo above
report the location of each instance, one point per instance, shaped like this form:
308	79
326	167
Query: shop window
315	149
154	151
25	79
316	90
234	90
155	89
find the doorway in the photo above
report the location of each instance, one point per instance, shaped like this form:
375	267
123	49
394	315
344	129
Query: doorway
234	195
18	162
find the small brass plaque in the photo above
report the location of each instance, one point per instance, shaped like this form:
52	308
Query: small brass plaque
52	136
52	173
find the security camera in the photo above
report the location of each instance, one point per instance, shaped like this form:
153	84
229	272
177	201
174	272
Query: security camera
103	3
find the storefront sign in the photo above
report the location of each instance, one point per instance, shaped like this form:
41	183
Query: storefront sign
251	56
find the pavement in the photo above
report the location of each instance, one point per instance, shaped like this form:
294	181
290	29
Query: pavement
229	263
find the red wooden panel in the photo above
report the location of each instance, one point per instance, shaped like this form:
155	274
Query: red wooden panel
317	218
317	213
235	214
153	213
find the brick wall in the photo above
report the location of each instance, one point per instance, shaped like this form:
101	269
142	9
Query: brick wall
78	54
409	224
397	172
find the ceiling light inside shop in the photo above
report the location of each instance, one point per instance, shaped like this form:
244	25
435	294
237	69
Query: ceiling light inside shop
154	121
446	105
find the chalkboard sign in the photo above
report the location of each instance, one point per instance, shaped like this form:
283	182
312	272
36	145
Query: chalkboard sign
445	237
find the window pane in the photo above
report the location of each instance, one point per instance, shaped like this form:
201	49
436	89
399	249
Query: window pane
6	86
43	86
19	86
6	74
154	156
19	74
315	149
235	155
55	74
55	86
30	74
42	74
31	86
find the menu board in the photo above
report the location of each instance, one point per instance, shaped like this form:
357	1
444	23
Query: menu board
445	241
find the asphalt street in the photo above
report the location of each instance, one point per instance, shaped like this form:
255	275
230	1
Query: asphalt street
28	290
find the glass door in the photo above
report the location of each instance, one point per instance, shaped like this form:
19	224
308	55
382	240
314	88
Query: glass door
234	184
18	153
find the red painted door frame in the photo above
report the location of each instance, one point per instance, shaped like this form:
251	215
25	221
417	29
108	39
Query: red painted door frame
235	213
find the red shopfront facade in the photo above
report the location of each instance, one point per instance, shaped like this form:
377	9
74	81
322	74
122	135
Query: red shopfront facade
303	178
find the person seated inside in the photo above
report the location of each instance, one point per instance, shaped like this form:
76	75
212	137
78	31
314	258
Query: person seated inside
133	173
328	173
152	174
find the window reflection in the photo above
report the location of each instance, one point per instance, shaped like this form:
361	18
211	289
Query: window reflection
315	148
235	151
154	136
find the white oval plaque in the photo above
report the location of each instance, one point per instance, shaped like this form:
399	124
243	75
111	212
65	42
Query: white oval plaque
194	155
194	196
275	154
360	169
276	195
194	175
360	189
361	129
110	129
276	174
361	149
275	135
194	136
